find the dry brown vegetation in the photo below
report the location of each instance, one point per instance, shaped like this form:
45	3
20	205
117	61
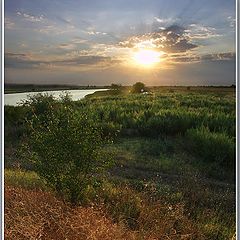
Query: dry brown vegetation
35	214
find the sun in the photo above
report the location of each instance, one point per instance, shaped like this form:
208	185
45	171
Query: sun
146	57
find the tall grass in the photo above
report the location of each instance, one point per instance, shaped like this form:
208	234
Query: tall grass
212	146
165	113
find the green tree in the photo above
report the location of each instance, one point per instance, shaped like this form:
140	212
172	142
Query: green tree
115	86
138	87
65	147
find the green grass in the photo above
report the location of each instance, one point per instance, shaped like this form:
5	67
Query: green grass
168	155
175	149
25	179
164	113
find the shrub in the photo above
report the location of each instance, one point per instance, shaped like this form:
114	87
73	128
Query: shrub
14	119
65	147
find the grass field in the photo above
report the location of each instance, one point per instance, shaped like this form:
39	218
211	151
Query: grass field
173	177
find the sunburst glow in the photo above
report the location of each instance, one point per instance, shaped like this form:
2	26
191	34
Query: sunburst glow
147	57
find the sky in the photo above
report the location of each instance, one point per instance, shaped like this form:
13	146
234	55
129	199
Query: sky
99	42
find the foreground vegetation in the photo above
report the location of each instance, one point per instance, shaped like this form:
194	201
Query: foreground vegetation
174	171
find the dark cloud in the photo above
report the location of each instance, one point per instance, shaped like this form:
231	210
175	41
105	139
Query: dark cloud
175	29
181	45
171	40
228	56
86	60
16	55
219	56
185	59
22	61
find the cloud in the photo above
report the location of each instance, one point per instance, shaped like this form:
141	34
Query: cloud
78	40
68	22
96	33
186	59
73	21
193	58
198	31
52	28
21	60
9	24
219	56
170	40
31	18
163	23
232	21
67	46
23	45
46	25
73	44
26	61
164	20
87	60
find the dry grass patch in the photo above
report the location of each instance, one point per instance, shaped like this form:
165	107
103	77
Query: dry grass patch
35	214
39	215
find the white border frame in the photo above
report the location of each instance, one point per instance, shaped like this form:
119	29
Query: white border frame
237	114
2	120
237	6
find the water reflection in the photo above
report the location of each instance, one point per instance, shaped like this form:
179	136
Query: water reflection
15	99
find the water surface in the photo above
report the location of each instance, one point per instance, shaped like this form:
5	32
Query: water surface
15	99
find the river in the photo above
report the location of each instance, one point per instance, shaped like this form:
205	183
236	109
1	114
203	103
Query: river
15	99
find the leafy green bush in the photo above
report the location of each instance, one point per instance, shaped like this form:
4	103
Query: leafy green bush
13	123
65	147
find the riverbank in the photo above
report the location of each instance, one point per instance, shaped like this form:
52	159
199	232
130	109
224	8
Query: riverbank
21	88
